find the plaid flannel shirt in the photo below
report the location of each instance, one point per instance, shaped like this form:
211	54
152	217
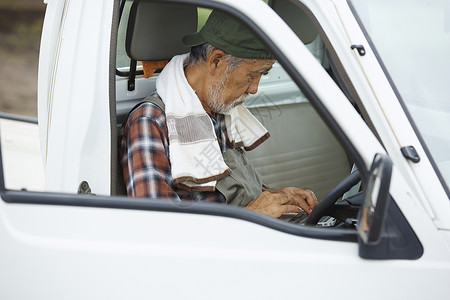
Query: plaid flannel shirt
144	153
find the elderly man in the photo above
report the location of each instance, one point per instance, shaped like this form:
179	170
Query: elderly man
186	141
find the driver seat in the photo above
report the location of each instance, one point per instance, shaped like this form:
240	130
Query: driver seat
154	35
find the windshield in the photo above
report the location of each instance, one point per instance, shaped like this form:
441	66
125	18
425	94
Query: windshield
413	40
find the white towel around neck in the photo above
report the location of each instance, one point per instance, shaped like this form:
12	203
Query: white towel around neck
195	156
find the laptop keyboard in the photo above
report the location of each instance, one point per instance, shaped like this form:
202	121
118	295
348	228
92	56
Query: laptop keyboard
300	218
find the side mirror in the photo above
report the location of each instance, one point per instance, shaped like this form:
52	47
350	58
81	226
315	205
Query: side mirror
384	232
373	211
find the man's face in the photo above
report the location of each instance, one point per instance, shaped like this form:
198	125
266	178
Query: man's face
232	88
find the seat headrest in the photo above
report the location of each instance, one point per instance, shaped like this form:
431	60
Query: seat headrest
155	30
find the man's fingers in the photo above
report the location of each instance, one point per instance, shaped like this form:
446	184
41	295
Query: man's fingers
303	205
301	197
283	209
286	199
291	209
311	198
291	199
308	196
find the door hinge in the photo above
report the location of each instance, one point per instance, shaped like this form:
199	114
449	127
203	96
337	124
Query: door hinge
84	188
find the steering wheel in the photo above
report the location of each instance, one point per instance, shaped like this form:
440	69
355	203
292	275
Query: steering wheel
328	201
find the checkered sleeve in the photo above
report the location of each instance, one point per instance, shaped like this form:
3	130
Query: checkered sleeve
144	154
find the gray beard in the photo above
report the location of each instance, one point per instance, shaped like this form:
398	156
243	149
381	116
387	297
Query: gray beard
215	96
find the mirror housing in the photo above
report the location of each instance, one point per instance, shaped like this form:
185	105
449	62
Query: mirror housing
384	232
371	214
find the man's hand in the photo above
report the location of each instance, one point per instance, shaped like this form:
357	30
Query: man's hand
274	203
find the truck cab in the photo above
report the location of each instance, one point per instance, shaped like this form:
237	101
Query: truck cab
355	105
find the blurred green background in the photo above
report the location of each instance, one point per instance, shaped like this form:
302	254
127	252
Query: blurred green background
20	33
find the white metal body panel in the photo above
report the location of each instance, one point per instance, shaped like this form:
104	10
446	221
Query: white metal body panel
79	95
72	253
48	54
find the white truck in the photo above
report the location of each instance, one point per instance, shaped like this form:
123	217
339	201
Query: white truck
358	85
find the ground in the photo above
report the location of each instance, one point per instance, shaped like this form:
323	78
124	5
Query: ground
20	31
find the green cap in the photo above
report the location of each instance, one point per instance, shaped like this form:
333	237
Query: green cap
228	35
